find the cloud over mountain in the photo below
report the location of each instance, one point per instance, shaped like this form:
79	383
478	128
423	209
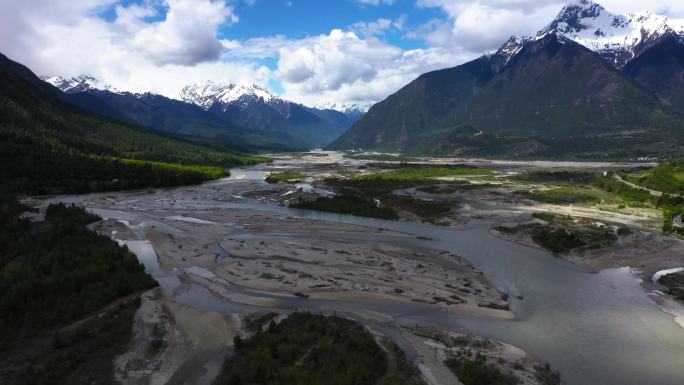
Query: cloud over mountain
161	45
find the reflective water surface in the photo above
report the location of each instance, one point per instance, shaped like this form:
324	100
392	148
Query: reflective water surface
595	328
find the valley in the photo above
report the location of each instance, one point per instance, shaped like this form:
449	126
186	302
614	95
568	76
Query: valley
366	192
234	116
230	248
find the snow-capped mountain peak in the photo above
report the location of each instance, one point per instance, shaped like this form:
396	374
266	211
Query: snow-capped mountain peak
345	108
207	93
580	15
617	38
510	48
79	83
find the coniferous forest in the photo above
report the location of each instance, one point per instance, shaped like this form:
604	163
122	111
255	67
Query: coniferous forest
314	349
53	273
49	146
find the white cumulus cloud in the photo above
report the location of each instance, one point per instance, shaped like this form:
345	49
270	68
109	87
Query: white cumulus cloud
161	45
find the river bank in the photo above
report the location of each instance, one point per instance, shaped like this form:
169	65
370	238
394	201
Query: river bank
560	310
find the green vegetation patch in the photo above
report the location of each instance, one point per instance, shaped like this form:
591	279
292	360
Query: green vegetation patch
430	211
57	271
557	177
381	157
545	217
27	166
415	174
286	176
455	187
565	195
562	234
81	354
358	194
311	349
207	172
403	176
67	298
674	284
672	208
479	372
566	187
348	204
257	321
556	240
667	177
627	194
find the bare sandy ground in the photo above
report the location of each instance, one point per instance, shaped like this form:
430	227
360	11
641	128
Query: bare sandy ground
273	254
166	335
323	268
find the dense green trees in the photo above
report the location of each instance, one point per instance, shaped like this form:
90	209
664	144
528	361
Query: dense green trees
57	271
29	167
49	146
557	240
667	177
479	372
67	297
347	204
307	349
674	284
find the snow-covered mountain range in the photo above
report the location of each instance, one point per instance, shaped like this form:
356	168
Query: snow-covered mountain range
256	112
80	83
616	38
260	110
209	93
219	94
346	108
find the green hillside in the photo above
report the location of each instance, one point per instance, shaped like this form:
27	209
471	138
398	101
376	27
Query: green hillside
557	98
553	98
40	137
412	112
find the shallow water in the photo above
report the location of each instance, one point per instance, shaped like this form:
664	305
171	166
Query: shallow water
595	328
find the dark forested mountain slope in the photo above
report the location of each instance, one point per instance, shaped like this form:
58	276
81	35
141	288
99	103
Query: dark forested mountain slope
552	93
591	84
238	116
264	113
43	137
550	97
166	115
415	109
661	70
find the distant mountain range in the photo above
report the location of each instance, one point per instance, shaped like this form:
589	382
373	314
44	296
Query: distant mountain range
49	146
240	116
591	84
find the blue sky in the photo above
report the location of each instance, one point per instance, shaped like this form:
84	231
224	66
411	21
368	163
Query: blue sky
310	51
299	19
310	17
